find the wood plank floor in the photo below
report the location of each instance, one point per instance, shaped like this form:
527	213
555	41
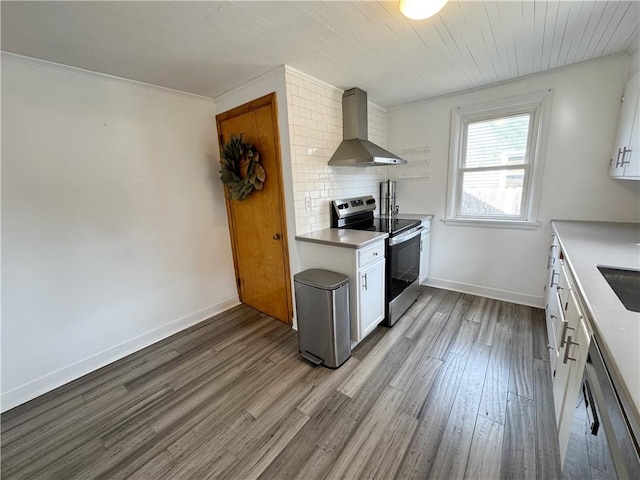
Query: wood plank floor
459	388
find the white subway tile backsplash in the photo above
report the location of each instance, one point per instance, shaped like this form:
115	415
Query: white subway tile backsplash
315	115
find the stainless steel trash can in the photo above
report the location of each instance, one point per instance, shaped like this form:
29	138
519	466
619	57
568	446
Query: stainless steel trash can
322	306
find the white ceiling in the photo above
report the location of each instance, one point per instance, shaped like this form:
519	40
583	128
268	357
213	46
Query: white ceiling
209	48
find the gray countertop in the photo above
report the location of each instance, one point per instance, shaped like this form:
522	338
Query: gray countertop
587	245
354	238
343	237
415	216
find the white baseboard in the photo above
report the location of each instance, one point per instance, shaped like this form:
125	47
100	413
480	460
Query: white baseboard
46	383
498	294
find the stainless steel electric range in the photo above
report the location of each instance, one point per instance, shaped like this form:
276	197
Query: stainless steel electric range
402	250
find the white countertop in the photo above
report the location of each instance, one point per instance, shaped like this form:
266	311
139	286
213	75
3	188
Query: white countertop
587	245
343	237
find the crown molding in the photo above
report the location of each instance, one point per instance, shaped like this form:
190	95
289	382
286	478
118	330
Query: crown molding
90	73
306	76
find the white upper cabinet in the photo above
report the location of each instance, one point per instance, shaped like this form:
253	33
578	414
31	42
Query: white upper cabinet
625	161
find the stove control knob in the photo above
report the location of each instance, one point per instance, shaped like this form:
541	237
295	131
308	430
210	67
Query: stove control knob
370	201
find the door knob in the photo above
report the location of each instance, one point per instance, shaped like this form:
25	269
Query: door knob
276	236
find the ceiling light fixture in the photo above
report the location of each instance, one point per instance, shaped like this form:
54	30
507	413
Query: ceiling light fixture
421	9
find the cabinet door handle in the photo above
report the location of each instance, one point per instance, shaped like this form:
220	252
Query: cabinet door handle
594	421
563	340
566	350
618	157
420	245
553	277
625	151
364	281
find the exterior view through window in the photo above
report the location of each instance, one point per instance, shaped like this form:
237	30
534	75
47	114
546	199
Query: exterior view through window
494	167
496	161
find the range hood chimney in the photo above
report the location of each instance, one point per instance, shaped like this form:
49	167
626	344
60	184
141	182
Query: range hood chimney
355	150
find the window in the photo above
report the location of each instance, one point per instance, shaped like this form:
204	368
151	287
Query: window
496	162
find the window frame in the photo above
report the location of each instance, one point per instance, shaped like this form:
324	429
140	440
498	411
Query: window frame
538	105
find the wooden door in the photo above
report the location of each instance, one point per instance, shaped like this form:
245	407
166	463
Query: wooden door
257	224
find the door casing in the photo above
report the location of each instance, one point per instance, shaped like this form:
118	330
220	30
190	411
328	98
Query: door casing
279	219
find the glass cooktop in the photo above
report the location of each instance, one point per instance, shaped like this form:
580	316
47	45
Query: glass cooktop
391	225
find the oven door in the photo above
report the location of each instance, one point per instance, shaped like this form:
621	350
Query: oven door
601	444
403	269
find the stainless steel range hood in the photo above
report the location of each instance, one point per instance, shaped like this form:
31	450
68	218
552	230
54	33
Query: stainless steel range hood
355	150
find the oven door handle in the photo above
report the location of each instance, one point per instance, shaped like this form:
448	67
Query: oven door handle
592	413
403	237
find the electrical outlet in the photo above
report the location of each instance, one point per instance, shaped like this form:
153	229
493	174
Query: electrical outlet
307	203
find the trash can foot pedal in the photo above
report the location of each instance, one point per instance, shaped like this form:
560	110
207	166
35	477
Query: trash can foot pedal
311	357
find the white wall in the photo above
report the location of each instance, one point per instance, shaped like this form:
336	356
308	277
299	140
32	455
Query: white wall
503	263
114	228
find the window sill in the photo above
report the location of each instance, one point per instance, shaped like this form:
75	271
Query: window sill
476	222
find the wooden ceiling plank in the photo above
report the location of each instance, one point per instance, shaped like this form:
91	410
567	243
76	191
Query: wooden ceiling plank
482	47
604	23
594	19
425	54
505	64
458	54
525	38
632	41
622	10
387	31
337	35
224	44
586	9
626	30
615	28
539	15
574	9
439	59
472	48
511	18
550	24
559	33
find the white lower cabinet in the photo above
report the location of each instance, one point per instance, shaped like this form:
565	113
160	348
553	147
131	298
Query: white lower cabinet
370	297
568	379
425	237
569	337
365	268
552	308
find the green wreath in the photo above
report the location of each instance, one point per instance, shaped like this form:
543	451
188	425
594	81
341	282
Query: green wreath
241	170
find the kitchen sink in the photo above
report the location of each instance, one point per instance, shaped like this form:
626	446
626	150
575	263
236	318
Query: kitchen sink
625	284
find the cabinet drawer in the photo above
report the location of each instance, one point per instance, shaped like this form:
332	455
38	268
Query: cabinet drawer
564	286
370	254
